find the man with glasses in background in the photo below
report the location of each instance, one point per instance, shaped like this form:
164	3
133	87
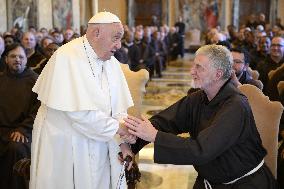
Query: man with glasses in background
272	62
240	68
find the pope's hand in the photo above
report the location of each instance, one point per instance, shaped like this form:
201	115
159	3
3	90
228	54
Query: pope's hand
125	135
141	128
125	149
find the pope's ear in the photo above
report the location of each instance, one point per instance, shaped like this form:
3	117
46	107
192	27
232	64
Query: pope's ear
96	31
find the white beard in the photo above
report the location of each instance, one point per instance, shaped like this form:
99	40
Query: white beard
193	85
206	84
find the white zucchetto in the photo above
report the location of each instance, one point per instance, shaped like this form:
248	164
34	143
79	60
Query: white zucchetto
104	18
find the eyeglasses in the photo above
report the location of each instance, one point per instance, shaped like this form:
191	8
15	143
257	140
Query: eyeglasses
13	56
277	45
237	61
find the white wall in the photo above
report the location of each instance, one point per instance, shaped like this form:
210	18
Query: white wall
3	16
76	15
45	14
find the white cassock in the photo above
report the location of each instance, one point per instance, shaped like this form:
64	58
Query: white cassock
73	135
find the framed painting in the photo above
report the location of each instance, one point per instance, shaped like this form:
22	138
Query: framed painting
22	13
62	14
201	15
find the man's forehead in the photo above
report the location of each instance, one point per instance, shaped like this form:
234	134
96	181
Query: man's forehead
114	25
117	27
52	46
201	60
17	51
235	53
278	40
69	31
28	34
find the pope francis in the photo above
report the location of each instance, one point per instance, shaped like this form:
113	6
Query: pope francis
83	95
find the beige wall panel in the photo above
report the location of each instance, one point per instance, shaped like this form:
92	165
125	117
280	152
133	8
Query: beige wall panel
228	13
172	12
118	7
45	14
281	10
76	15
3	16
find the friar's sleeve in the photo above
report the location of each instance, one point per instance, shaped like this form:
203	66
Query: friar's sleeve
223	132
94	124
25	127
172	120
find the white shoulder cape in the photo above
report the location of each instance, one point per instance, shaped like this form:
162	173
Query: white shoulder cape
67	82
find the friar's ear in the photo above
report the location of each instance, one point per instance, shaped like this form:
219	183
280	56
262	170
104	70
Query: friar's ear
219	74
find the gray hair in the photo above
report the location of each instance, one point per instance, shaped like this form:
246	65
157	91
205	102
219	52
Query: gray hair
220	57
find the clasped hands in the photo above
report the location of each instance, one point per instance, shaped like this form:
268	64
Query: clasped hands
134	127
141	128
125	135
124	147
131	129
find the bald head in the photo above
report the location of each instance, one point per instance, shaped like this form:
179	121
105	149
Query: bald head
261	17
277	48
68	35
217	37
29	40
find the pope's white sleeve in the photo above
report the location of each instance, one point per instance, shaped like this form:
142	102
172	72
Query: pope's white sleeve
119	117
94	124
